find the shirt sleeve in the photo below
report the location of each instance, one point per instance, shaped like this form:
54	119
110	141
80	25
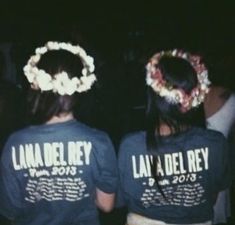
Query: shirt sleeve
223	166
120	199
10	194
105	170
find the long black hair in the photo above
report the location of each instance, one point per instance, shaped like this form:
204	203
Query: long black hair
42	106
179	74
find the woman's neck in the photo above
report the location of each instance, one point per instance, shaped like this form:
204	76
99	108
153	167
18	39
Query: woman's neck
165	130
63	117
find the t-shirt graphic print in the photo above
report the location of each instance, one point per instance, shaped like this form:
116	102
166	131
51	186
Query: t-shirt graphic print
52	169
191	168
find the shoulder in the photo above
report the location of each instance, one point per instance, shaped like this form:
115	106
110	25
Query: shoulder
207	132
21	135
16	138
132	142
232	97
207	135
93	133
133	137
98	138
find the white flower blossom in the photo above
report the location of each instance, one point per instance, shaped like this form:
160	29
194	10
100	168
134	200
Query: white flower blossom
41	51
44	81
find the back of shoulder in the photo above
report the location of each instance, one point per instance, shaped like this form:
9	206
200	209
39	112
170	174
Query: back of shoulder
132	140
133	137
21	135
233	97
93	134
99	138
209	135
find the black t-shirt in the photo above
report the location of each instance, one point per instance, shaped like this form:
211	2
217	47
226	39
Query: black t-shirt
192	169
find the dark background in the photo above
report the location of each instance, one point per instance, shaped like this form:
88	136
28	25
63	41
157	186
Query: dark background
122	36
128	31
115	25
193	23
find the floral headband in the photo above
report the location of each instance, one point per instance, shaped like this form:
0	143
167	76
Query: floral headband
155	79
60	83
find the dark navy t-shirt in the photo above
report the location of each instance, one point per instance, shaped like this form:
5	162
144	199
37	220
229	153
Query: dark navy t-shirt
49	174
192	168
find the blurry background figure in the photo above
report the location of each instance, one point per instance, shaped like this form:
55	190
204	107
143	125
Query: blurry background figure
8	71
220	113
11	110
11	103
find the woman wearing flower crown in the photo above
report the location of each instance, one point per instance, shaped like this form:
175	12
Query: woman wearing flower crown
60	170
172	172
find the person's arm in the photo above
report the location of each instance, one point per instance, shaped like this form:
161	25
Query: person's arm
10	190
105	173
104	201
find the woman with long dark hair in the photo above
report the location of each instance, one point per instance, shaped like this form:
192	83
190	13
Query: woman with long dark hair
58	170
172	172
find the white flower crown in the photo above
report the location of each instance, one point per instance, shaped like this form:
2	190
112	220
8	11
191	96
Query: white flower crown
155	79
60	83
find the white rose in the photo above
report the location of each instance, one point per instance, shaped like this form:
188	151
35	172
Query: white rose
70	87
44	81
30	77
34	59
149	80
84	71
41	50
